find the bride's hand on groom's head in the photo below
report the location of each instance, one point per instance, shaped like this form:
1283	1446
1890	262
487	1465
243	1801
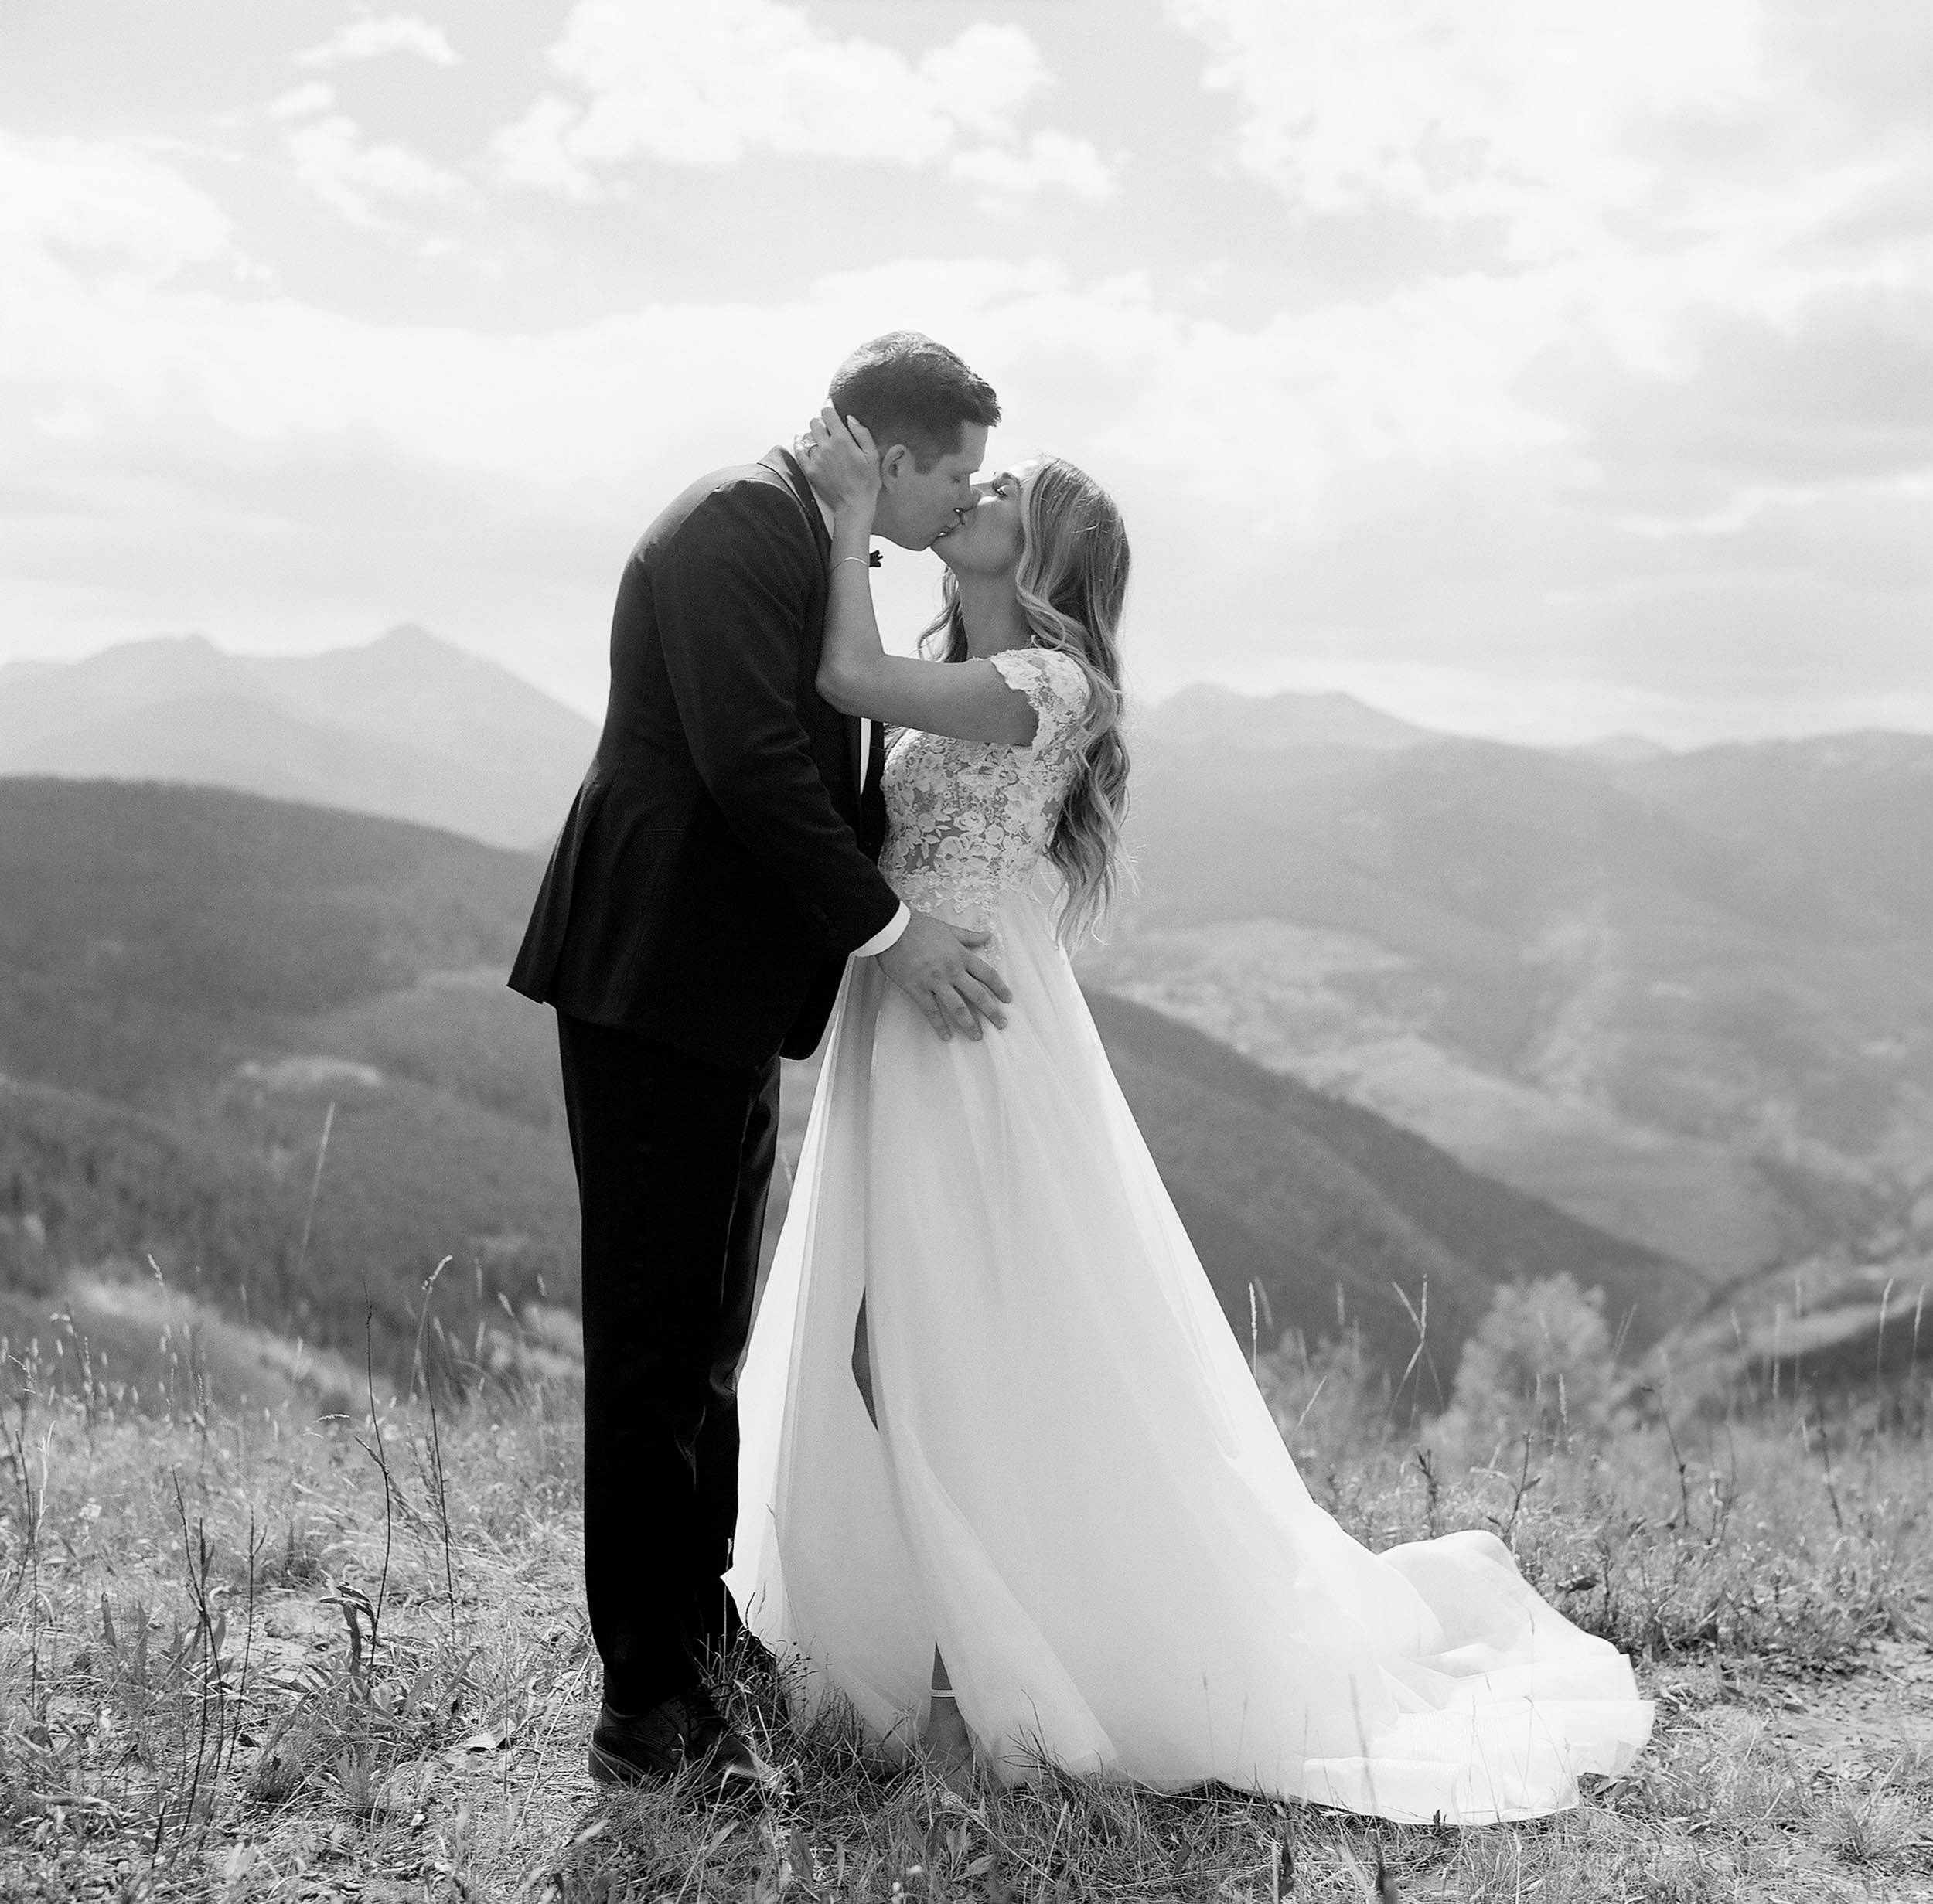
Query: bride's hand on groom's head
841	459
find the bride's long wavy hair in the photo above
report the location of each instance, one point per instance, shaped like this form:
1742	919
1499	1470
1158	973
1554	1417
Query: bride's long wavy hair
1072	581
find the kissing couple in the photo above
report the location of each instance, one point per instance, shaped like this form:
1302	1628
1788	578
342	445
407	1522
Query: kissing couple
991	1471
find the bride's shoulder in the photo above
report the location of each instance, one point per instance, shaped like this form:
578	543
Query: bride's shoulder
1056	683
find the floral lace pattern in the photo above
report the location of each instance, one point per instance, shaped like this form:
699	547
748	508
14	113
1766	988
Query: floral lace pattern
968	820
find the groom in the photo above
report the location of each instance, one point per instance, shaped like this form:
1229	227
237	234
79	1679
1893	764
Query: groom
714	873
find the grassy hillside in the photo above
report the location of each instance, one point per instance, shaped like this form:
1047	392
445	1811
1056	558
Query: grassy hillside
247	1661
195	984
1335	1213
1826	1323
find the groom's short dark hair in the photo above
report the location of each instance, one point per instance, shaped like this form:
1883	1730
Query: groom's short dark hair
904	388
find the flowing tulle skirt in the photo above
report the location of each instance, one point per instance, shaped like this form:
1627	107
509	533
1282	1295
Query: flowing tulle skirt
1074	1491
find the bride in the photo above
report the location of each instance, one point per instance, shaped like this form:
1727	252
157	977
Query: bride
1007	1481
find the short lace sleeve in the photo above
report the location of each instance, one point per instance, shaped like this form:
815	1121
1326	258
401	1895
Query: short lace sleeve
1055	686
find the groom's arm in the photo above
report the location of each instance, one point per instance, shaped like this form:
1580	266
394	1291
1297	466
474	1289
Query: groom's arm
731	589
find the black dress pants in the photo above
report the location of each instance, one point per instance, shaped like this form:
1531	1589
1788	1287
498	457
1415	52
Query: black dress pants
673	1160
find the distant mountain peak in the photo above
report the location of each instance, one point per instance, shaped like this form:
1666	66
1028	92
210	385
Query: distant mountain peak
156	650
193	643
159	663
408	652
412	637
1209	713
410	725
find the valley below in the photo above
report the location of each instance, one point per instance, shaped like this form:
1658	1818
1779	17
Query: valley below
1688	1000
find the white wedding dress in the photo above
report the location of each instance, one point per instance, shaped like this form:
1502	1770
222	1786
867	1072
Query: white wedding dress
1075	1490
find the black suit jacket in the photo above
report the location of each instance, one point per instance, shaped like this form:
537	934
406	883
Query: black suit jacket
717	865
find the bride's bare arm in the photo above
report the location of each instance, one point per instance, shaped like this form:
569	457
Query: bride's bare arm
969	700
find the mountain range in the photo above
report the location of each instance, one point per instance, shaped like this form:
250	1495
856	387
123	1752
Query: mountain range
1218	717
1685	997
269	1047
410	727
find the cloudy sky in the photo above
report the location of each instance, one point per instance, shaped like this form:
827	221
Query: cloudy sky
1534	367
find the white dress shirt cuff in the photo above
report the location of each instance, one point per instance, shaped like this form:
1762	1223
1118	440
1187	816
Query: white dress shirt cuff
887	935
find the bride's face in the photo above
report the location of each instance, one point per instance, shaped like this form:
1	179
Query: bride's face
988	539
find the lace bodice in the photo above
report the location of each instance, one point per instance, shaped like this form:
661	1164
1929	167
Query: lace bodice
968	820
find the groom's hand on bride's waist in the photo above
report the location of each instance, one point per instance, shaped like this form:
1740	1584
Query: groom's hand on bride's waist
938	966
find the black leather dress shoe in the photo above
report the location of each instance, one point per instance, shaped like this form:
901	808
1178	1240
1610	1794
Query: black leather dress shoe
685	1737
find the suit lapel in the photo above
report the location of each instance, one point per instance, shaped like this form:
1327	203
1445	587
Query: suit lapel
782	462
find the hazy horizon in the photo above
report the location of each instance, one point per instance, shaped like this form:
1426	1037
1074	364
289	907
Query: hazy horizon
594	713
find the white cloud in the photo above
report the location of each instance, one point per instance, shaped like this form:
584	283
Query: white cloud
538	151
1685	154
1354	494
373	38
712	85
1008	179
1702	276
1544	117
71	209
315	97
331	159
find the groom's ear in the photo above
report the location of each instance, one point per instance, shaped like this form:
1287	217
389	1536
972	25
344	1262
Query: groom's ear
897	461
